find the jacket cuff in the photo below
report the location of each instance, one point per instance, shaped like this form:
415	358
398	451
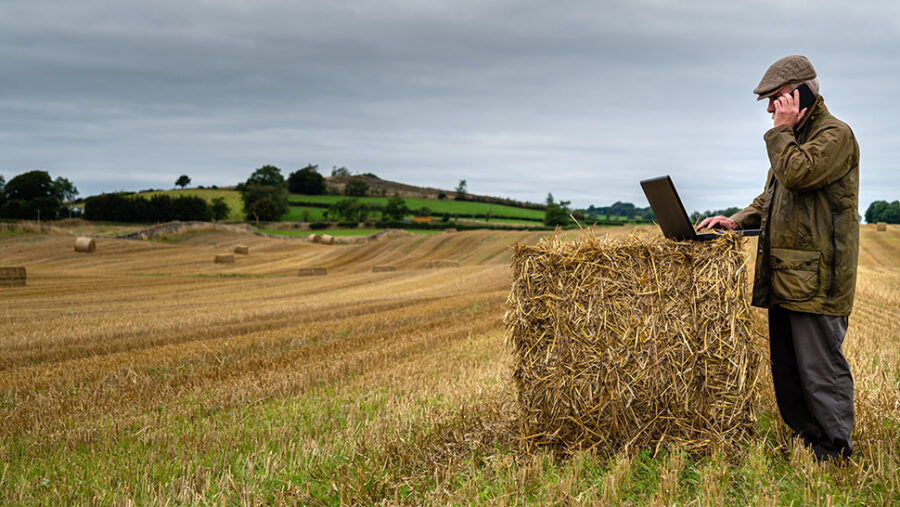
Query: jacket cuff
741	218
776	139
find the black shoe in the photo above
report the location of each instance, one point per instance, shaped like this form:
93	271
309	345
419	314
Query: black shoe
826	454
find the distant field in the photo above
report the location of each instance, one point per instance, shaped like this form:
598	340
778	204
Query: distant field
232	198
460	208
312	214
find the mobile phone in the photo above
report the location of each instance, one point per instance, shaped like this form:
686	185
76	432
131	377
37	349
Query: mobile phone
807	97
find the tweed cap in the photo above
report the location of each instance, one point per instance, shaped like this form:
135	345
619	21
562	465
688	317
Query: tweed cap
790	69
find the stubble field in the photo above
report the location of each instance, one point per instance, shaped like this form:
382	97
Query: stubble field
144	373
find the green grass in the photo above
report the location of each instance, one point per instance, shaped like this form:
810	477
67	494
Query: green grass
232	198
312	214
296	214
215	453
437	207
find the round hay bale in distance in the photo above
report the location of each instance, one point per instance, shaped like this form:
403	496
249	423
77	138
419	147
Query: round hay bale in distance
312	272
327	239
449	230
314	238
85	245
881	226
224	259
242	250
12	276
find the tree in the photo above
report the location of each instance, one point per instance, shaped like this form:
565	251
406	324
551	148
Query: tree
30	195
307	181
265	183
2	192
875	210
396	208
267	175
892	214
882	211
183	181
461	190
265	208
556	213
441	196
64	189
220	209
350	210
342	172
356	187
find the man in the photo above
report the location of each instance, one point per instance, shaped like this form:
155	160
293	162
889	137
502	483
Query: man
806	262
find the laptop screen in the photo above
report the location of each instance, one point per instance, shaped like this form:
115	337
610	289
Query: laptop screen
667	207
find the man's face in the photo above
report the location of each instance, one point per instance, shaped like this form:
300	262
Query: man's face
784	89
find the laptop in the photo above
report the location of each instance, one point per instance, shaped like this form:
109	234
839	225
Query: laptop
670	213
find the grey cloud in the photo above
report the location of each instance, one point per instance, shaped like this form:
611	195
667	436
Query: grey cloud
578	98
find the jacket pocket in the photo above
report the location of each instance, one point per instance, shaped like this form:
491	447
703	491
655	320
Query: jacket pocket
795	273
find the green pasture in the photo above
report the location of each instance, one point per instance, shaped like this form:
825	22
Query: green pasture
437	207
312	214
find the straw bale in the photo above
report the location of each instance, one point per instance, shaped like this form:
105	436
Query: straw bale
383	269
449	230
327	239
12	276
224	259
315	238
633	343
442	263
242	249
881	227
85	245
312	272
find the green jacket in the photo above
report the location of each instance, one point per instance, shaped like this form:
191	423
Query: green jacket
808	214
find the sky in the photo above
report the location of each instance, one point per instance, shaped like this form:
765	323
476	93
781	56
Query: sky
581	99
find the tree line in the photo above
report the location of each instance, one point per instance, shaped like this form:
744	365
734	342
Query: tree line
34	195
158	208
882	211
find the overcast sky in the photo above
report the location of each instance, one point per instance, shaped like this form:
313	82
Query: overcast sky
520	98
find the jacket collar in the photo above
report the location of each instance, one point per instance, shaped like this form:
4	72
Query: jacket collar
817	109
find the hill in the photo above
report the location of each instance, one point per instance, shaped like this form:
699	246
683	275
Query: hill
382	187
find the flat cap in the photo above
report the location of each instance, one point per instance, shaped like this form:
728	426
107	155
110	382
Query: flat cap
790	69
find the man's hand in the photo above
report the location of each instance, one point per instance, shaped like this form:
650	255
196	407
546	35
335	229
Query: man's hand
787	109
718	222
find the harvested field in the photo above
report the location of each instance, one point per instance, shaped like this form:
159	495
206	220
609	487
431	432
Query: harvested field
145	374
12	276
312	272
442	263
383	269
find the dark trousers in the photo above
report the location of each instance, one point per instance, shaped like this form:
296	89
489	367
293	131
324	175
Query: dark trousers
813	385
